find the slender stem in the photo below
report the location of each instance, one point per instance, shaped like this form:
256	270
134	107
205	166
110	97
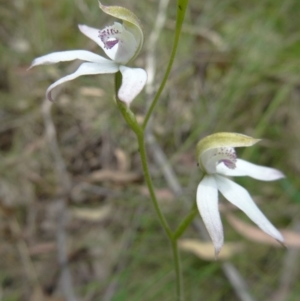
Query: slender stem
140	134
179	294
143	154
186	222
181	8
171	236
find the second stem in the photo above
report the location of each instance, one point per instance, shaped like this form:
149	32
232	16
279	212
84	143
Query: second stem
172	239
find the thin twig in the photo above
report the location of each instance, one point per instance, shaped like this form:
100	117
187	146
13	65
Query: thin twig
237	281
60	166
65	188
162	161
179	20
61	238
151	47
289	272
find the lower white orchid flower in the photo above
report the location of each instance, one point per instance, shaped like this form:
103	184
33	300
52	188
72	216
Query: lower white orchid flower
120	42
217	159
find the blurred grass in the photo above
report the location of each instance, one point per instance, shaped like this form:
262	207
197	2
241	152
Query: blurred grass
249	85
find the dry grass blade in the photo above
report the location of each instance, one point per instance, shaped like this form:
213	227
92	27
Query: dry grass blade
289	273
291	238
92	214
116	176
206	251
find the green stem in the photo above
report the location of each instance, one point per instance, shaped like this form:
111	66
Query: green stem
181	8
186	222
139	131
130	119
179	295
173	241
143	154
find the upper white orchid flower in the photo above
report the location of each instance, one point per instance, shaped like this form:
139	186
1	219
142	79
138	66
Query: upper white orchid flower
120	42
217	158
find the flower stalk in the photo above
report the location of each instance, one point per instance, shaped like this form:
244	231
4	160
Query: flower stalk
140	134
171	236
181	9
186	222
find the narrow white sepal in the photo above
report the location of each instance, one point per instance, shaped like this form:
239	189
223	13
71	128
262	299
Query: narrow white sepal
85	69
207	202
66	56
240	197
245	168
133	81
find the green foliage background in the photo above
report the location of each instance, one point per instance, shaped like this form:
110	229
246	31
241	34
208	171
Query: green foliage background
237	69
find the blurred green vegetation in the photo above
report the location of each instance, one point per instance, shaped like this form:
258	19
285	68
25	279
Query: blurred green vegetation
237	69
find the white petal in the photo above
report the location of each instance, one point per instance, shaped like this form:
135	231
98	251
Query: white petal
93	34
240	197
207	202
133	81
244	168
65	56
85	69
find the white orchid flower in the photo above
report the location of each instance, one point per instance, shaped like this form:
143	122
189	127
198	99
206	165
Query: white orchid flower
120	42
217	158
